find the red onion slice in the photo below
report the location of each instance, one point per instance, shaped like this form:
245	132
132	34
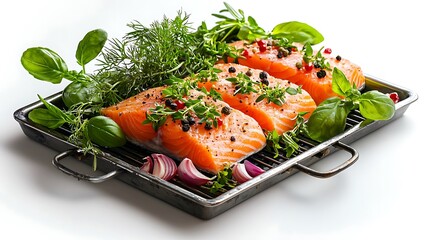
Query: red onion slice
163	166
240	174
190	175
147	165
252	169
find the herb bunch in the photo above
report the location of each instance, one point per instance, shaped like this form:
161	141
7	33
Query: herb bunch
189	108
149	55
317	60
245	85
288	141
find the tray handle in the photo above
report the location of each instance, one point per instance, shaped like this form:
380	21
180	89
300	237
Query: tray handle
333	171
94	179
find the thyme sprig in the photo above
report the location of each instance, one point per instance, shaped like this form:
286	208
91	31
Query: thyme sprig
288	141
178	90
318	60
245	85
223	179
277	94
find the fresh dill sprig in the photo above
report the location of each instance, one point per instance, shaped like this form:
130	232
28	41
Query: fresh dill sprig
148	55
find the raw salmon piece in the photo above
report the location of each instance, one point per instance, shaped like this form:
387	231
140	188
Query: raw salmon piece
210	150
270	116
285	68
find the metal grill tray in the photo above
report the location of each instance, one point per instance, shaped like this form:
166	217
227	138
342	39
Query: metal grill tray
124	163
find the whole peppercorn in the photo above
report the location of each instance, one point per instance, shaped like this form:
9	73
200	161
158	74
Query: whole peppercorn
208	126
263	75
191	120
226	110
265	81
321	73
186	127
231	69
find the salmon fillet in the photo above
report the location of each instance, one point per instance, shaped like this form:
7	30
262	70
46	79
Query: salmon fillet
269	115
237	137
284	67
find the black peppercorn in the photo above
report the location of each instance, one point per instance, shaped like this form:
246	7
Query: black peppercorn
186	127
265	81
226	110
321	73
191	120
263	75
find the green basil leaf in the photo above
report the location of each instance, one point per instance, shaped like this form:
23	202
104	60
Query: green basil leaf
55	111
81	92
44	64
375	105
340	84
298	32
327	120
105	132
44	117
90	46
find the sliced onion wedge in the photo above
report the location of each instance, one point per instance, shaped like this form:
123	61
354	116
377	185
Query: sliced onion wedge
240	174
252	169
147	165
190	175
163	166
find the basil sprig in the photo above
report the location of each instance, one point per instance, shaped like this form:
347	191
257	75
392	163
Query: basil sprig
329	118
239	27
47	65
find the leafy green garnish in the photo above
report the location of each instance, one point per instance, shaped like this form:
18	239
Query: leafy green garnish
243	84
149	55
329	118
223	179
179	89
277	94
238	27
288	141
44	64
297	32
90	46
375	105
316	59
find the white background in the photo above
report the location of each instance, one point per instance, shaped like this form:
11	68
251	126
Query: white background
384	195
